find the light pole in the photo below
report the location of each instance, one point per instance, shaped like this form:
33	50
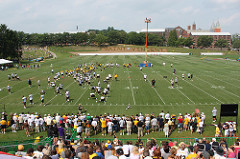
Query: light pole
147	20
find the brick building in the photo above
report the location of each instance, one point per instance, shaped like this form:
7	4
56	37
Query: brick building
192	31
214	35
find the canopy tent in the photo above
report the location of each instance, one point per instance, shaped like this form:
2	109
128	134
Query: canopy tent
3	62
8	156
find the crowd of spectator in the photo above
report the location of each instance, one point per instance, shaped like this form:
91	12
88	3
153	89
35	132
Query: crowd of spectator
116	149
106	124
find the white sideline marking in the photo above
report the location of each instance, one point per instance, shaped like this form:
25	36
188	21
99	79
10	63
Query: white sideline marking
80	96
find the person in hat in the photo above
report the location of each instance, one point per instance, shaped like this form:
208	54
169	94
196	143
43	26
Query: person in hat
46	150
120	154
182	152
20	152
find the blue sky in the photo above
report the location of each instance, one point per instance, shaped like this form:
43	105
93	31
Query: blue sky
64	15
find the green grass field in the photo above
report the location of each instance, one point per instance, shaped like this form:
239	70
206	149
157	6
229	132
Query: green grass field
214	82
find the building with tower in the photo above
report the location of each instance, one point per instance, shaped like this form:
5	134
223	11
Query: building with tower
192	31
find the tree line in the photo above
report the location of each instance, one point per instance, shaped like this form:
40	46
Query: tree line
11	42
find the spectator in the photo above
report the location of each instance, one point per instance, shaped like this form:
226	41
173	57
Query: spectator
20	152
99	153
182	152
135	153
54	154
120	154
29	154
157	154
61	132
231	153
68	154
38	154
166	129
140	126
193	152
173	152
219	153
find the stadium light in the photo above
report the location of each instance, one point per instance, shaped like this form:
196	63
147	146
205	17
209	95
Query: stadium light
147	20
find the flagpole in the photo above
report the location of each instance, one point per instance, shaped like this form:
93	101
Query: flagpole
147	20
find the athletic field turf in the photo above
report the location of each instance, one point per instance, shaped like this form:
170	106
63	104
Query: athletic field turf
215	81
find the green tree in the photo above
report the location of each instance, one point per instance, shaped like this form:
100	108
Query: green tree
154	39
172	39
113	37
180	42
133	38
91	38
188	42
221	43
10	43
204	41
236	44
101	39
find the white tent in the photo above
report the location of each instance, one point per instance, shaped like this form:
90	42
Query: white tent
3	61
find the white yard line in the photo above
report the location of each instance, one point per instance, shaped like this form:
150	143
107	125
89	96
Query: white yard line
155	91
51	99
13	93
203	91
80	97
199	88
157	105
130	82
182	93
68	87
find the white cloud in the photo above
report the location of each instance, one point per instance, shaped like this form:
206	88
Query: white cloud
61	15
225	1
230	20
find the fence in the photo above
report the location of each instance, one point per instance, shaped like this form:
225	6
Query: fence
33	143
188	141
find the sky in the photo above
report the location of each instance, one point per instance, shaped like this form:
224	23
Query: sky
51	16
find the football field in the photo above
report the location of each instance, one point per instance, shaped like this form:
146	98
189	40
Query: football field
215	81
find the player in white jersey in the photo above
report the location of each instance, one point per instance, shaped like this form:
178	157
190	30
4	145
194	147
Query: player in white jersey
39	83
9	89
31	98
24	101
145	77
67	96
42	99
48	80
172	82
